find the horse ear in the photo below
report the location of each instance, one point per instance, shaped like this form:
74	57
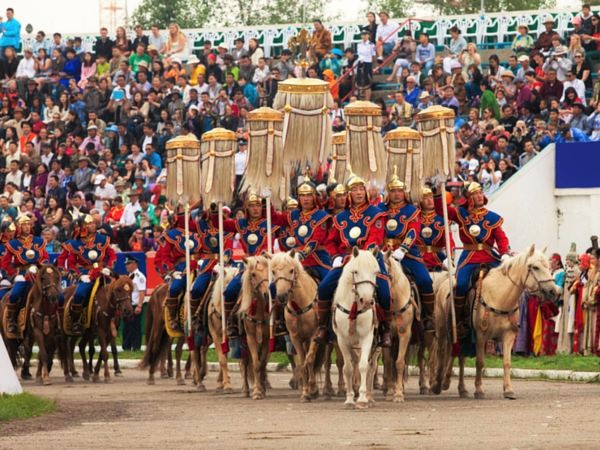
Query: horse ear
544	249
355	251
375	251
245	259
388	253
292	253
531	250
266	254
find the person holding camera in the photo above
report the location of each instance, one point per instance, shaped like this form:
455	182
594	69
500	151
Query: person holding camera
557	60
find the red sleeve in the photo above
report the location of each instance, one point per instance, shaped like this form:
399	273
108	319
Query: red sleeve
439	208
62	259
110	257
333	243
229	225
161	259
279	218
376	234
43	259
501	241
6	263
318	238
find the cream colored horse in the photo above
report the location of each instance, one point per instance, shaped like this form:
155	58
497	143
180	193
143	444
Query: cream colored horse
216	333
403	313
354	322
496	312
297	290
255	317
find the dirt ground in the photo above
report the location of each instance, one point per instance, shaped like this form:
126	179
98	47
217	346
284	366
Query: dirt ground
129	414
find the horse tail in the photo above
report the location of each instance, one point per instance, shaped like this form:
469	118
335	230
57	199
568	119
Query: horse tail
157	338
319	357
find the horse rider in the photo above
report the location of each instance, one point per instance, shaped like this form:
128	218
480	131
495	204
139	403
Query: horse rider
90	256
307	227
24	254
360	224
431	241
170	258
208	257
7	233
252	230
484	241
402	228
338	198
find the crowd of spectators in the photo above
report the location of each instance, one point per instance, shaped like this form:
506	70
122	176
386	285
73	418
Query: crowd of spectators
83	130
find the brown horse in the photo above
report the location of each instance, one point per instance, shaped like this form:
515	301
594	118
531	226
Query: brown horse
158	342
19	346
112	296
42	304
255	317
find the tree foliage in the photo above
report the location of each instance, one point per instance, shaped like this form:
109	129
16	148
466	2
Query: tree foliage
395	8
474	6
186	13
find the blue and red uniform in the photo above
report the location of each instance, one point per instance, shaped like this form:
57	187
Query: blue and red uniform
22	253
431	241
484	241
361	226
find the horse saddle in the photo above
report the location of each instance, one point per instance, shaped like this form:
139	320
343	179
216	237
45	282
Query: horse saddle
314	274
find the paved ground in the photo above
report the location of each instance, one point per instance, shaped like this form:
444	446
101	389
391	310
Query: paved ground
128	413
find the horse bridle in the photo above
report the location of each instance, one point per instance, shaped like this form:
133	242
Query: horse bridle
524	284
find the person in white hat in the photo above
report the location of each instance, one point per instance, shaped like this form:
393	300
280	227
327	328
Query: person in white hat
104	191
557	60
544	40
523	42
525	66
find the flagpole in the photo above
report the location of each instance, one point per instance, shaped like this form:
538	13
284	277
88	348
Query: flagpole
224	340
270	277
449	258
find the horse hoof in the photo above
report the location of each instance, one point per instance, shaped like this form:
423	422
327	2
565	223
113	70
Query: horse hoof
361	405
424	390
293	384
75	374
341	393
314	395
398	399
305	399
164	375
479	395
47	381
96	378
227	390
348	404
38	381
510	395
463	394
26	376
246	394
180	382
258	396
150	382
118	374
108	380
219	390
69	379
268	385
86	376
446	386
187	376
201	387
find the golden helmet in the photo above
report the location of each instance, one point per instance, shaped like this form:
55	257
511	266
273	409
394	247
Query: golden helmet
23	219
473	187
395	182
354	180
339	189
307	187
87	219
253	199
426	192
291	203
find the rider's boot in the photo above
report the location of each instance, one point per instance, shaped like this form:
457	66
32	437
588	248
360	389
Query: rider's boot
233	329
324	314
428	302
460	307
279	318
76	310
384	329
172	304
12	312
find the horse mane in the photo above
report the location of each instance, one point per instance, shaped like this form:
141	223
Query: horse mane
215	297
285	258
521	259
116	283
247	290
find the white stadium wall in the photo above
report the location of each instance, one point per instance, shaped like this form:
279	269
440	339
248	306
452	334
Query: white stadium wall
535	212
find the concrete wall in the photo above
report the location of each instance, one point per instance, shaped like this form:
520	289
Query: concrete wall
535	212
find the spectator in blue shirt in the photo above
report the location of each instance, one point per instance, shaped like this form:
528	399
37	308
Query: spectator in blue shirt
425	54
568	134
11	32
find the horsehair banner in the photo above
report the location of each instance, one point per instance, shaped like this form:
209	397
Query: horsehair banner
265	151
218	149
404	151
305	103
183	168
364	144
339	158
436	124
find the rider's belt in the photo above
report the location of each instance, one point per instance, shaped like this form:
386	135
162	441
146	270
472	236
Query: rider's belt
478	247
182	260
430	249
209	256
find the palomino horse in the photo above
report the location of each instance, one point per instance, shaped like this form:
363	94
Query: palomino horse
496	311
296	290
42	303
254	314
216	333
354	321
111	297
158	342
403	314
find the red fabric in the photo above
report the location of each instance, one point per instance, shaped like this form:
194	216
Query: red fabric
549	337
375	235
578	325
353	311
10	263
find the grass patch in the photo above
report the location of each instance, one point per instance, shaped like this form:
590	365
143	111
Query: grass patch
576	363
24	406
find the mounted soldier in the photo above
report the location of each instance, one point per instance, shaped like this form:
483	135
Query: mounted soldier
253	238
431	240
338	198
23	256
361	225
90	256
484	242
402	228
170	259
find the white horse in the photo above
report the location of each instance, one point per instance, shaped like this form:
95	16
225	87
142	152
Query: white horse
354	322
496	311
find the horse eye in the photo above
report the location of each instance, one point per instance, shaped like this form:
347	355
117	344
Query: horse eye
291	270
253	275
